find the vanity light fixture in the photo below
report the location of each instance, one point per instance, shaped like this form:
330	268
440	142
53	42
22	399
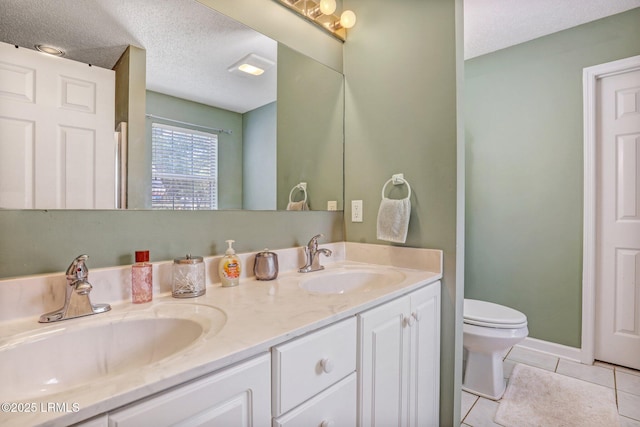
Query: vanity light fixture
321	13
251	64
327	6
49	50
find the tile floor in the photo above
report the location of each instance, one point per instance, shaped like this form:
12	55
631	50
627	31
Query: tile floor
479	412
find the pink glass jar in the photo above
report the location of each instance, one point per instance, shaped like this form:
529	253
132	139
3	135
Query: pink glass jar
141	279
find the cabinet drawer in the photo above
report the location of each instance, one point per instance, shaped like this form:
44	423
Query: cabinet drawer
235	396
304	367
335	406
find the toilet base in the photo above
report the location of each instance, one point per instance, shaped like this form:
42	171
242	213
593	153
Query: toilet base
484	375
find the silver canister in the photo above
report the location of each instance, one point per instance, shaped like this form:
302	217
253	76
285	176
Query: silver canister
188	277
266	265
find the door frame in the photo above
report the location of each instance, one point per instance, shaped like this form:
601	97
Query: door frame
590	77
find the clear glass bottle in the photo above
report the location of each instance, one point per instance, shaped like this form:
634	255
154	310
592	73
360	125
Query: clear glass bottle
188	277
141	279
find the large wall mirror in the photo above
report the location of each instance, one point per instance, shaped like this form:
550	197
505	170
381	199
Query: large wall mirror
278	136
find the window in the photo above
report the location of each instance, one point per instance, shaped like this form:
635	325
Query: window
184	166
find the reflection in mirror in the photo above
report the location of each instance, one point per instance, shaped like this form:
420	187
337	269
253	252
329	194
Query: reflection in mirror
310	131
171	72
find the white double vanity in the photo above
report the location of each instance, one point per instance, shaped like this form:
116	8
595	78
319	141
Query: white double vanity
362	350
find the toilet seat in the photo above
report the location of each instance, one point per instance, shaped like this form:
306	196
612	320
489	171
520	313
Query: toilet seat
487	314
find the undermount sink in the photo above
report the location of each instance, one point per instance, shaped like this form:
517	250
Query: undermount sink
341	281
65	356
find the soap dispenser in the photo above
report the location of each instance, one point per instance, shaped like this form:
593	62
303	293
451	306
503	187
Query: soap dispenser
229	267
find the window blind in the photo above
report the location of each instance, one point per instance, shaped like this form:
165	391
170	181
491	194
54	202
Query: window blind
184	168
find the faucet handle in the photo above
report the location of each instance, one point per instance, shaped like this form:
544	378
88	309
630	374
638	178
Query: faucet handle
78	270
313	242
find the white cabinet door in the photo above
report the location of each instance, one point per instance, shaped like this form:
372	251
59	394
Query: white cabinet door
237	396
399	361
384	362
424	373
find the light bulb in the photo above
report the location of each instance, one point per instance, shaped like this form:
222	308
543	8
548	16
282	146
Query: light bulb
327	7
348	19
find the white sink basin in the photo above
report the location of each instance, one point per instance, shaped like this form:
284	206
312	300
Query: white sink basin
71	354
341	281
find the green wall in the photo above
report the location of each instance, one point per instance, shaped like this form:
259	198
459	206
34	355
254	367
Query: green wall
400	108
523	114
310	129
35	242
259	158
400	72
230	147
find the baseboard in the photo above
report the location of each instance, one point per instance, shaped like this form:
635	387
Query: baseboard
557	350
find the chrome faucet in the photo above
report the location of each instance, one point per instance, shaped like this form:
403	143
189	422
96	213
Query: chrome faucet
76	303
312	255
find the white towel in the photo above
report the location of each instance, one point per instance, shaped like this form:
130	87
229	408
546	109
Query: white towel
298	206
393	220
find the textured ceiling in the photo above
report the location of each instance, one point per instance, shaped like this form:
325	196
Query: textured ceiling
490	25
189	46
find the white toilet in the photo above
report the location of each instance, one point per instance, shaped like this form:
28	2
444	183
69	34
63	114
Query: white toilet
489	329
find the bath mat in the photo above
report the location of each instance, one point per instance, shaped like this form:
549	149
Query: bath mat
539	398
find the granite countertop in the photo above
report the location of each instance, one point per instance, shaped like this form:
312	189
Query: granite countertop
259	315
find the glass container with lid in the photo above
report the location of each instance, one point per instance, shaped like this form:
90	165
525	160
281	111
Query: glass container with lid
188	277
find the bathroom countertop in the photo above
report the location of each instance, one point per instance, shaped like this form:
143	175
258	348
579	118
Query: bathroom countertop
260	314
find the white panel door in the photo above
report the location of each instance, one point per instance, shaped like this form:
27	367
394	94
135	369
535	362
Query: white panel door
57	146
617	337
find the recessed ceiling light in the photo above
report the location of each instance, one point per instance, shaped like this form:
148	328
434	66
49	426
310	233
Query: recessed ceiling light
49	50
251	69
251	64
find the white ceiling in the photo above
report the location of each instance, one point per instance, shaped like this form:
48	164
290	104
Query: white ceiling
490	25
189	46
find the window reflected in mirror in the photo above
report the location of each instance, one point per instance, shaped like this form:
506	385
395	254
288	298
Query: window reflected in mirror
184	168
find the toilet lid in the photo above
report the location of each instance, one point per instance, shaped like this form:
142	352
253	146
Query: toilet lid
483	313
